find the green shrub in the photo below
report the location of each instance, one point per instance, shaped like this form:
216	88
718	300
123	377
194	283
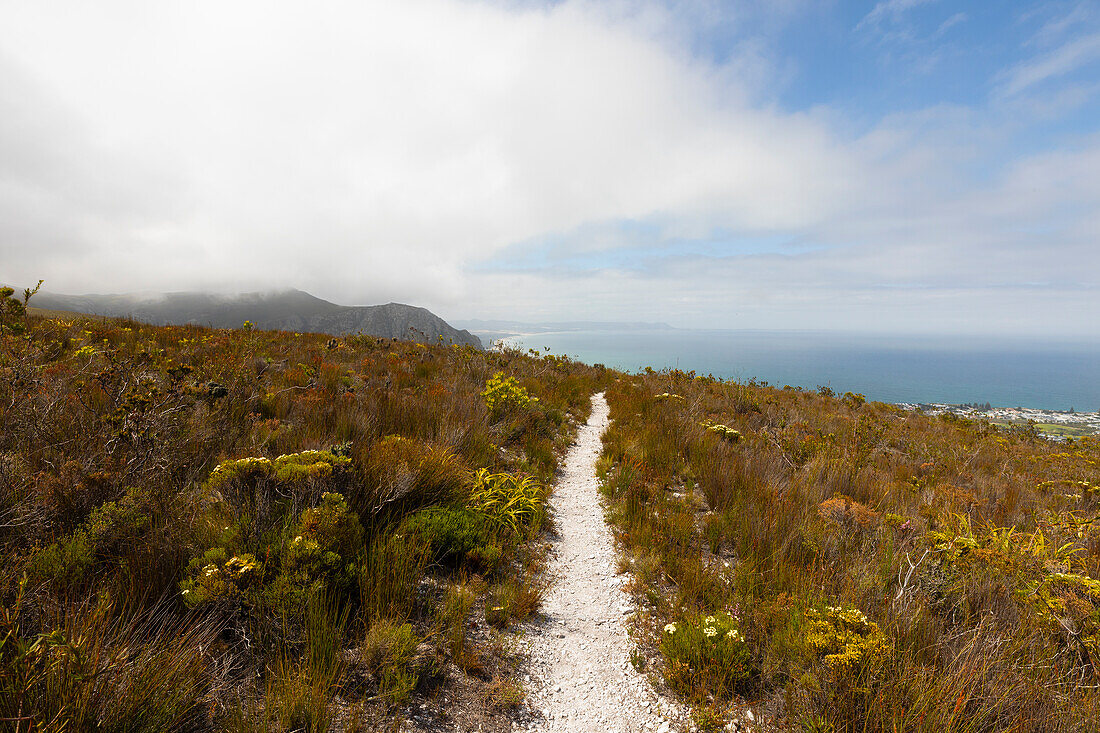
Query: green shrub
64	563
117	524
113	529
392	653
214	577
456	536
705	655
507	500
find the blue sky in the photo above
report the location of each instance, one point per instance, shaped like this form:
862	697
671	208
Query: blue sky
906	165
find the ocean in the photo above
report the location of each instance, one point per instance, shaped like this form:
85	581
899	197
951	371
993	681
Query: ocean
953	370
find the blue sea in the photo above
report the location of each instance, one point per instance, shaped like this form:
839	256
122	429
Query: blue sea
1041	375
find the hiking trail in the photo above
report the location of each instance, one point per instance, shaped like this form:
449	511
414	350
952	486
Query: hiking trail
581	677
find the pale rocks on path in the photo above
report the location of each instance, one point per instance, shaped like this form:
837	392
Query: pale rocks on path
581	678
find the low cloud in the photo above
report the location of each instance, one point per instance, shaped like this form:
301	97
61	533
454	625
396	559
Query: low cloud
405	151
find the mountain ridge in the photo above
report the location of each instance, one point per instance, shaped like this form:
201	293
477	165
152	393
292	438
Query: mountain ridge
287	310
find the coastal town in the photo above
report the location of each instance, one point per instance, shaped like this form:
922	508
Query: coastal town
1053	424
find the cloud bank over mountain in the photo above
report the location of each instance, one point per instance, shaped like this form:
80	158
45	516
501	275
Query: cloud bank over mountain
655	161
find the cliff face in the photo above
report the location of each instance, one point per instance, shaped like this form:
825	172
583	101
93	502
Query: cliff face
285	311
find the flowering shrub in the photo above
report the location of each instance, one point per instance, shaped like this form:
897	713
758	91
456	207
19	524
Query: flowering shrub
705	654
241	469
212	577
503	394
841	637
1046	577
288	469
327	543
333	526
307	464
725	432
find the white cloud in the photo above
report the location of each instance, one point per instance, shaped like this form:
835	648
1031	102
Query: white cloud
279	142
1060	61
889	11
386	151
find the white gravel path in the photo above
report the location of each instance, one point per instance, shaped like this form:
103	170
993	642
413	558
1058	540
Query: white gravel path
581	678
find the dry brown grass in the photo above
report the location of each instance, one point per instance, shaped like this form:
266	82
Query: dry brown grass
827	501
111	430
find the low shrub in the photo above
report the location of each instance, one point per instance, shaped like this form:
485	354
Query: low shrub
513	600
456	536
705	655
504	394
214	577
393	564
393	654
507	500
403	475
842	638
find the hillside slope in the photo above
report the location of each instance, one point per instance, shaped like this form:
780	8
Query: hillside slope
291	310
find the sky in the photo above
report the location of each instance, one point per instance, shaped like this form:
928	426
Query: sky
903	166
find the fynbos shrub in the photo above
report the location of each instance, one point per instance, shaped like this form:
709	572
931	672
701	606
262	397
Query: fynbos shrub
705	655
504	394
507	500
842	638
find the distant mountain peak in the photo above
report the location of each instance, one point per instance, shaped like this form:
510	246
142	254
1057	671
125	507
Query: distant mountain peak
284	310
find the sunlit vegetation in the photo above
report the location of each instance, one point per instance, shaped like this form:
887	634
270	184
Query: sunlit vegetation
881	570
235	529
245	530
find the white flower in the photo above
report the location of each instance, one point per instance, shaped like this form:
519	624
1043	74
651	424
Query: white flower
710	631
710	620
670	628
